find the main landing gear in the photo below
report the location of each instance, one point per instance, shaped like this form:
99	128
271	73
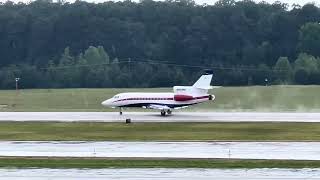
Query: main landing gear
163	112
120	111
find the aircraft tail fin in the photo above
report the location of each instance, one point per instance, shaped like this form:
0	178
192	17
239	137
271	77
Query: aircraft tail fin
199	88
204	81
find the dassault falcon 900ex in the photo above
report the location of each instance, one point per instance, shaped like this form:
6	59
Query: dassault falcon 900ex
182	96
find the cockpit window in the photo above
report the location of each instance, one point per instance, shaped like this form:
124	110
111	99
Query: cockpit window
115	97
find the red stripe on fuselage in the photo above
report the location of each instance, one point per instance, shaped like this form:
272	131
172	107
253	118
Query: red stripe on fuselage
139	99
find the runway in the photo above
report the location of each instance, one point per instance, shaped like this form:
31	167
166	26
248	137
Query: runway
159	173
152	116
237	150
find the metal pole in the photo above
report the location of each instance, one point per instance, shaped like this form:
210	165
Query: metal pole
266	81
17	80
16	96
130	66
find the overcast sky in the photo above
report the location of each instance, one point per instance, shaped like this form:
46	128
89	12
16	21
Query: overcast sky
290	2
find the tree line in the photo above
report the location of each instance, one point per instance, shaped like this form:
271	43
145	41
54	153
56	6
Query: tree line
94	68
157	44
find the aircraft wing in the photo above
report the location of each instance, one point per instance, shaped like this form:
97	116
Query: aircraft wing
158	107
182	107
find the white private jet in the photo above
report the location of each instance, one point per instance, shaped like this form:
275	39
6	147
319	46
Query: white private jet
182	96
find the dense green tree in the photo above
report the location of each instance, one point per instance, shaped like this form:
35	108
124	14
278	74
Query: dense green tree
7	78
283	70
307	62
263	75
93	56
30	76
104	57
83	44
307	69
310	38
301	76
66	58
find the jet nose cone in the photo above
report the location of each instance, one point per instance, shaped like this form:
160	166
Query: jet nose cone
106	103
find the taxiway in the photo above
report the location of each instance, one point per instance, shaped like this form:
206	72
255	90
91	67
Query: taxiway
159	173
111	149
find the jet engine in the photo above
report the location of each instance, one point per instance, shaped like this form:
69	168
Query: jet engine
178	97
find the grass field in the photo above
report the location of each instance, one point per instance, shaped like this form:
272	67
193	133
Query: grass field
152	163
160	131
255	98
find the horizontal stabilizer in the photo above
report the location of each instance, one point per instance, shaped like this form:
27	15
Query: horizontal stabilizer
205	87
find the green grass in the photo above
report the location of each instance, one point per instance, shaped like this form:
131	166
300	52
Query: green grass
152	163
160	131
255	98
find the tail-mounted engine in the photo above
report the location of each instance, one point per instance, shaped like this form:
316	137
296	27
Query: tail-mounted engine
178	97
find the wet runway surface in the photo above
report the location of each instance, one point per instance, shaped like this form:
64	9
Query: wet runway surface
159	173
155	117
237	150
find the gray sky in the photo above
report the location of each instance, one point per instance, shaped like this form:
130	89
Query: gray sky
290	2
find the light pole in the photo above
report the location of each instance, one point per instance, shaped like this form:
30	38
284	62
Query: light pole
266	81
17	80
16	96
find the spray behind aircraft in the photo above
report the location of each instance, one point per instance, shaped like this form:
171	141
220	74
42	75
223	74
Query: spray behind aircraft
182	97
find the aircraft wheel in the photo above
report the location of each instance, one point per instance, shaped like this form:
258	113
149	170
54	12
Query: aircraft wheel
163	113
169	112
128	121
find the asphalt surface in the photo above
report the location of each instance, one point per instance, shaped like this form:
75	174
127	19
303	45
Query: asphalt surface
237	150
155	117
159	173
